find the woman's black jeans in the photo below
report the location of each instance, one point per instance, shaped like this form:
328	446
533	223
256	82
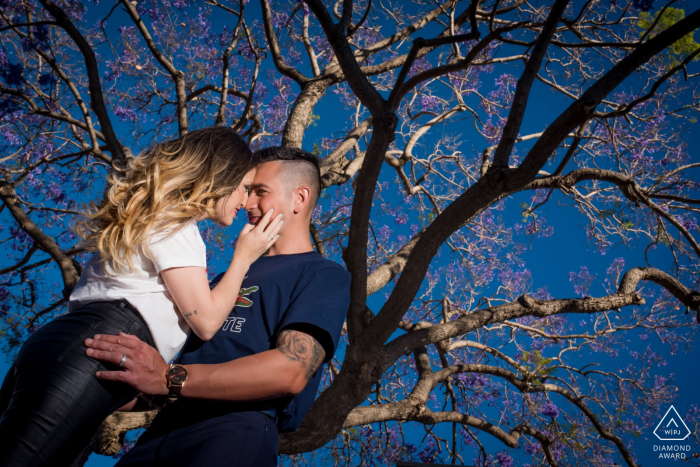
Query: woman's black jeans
51	403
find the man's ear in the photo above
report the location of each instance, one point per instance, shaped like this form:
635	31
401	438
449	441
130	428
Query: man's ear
302	197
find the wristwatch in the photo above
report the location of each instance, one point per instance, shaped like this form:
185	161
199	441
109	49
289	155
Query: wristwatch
176	376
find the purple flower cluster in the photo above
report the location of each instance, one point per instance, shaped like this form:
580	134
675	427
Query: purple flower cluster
582	281
428	453
9	136
401	218
550	410
473	380
429	103
125	114
12	74
504	460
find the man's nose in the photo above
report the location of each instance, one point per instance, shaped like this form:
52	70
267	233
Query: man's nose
244	201
251	202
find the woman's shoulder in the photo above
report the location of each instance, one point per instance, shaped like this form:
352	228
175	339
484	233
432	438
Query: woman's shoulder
182	229
185	235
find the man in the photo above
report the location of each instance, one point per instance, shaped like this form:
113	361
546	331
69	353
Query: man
231	392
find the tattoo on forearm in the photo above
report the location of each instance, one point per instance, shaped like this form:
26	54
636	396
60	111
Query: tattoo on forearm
301	347
187	315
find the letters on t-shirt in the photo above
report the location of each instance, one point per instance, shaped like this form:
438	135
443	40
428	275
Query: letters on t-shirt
233	324
279	292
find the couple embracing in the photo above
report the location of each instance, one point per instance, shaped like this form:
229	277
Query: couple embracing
247	348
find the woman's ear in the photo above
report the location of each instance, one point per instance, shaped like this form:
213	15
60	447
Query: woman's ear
302	196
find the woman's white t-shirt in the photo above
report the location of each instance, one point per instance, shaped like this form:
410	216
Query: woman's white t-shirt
144	287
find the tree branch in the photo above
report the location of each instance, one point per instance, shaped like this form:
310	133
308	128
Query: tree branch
282	67
522	89
69	273
118	151
177	75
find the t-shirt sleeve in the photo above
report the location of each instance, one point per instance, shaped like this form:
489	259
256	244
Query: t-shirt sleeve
181	249
320	306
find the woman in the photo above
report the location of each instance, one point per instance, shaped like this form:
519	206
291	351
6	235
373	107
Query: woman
147	277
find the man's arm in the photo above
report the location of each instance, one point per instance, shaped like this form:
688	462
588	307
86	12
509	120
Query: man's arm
282	371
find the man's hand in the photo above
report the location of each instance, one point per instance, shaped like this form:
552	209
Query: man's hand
282	371
144	368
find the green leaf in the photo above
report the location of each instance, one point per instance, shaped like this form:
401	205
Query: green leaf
679	49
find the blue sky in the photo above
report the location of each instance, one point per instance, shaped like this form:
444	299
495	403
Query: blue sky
550	259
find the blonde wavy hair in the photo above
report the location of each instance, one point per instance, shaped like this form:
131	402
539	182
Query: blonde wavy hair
167	185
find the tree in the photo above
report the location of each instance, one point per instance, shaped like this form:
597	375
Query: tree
460	337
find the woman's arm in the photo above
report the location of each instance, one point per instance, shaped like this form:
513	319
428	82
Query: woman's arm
205	310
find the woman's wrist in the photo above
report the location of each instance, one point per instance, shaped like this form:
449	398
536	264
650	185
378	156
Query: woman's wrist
240	263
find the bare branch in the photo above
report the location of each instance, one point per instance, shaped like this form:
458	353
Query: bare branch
177	75
69	272
522	90
282	67
119	152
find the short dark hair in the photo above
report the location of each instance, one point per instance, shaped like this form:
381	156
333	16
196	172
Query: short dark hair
299	167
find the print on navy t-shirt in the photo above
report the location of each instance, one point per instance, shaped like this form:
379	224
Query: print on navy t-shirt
278	292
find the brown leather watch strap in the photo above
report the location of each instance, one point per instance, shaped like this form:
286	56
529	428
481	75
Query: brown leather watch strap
174	392
176	376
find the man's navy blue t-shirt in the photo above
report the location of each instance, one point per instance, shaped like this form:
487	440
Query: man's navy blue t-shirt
304	291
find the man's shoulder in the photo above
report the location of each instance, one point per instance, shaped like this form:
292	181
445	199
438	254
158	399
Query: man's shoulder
320	266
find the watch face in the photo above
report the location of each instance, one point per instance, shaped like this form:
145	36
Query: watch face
177	375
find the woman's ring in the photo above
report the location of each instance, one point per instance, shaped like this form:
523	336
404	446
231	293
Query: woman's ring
123	361
271	237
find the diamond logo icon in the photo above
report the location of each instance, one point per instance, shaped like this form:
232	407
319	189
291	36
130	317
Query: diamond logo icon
672	427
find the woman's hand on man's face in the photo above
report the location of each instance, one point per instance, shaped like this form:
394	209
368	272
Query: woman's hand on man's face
255	240
143	369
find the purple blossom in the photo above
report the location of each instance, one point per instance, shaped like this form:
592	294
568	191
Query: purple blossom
47	80
542	294
28	44
55	192
125	115
401	218
21	239
9	136
537	344
12	74
659	382
688	221
429	452
472	379
504	460
429	103
533	448
616	267
582	281
420	65
550	410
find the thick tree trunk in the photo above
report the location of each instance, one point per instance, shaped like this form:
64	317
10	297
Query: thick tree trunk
294	129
